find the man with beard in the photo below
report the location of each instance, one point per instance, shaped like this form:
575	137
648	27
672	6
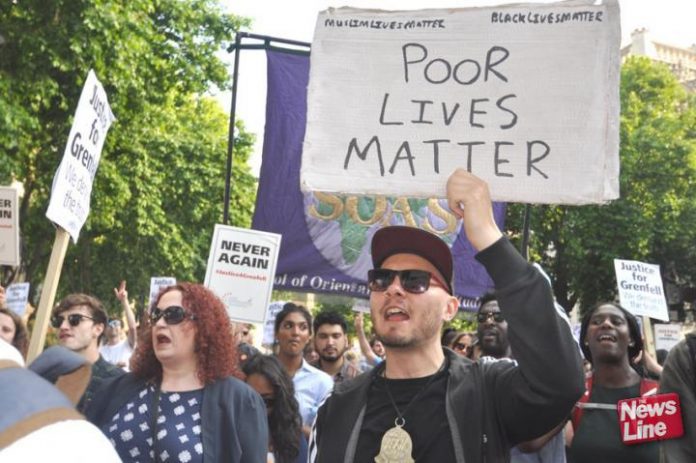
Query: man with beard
492	330
331	342
426	403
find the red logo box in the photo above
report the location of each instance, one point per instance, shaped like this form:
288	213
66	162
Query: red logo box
650	418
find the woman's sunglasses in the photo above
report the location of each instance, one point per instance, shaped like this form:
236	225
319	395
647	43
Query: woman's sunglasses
74	319
413	281
173	315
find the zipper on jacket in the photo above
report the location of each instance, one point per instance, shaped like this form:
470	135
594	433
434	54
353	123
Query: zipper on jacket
484	444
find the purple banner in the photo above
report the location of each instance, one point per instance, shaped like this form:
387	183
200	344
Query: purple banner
325	245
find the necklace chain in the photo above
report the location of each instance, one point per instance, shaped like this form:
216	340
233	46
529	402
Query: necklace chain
400	420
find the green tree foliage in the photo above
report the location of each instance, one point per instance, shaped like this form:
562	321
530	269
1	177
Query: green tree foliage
160	184
655	218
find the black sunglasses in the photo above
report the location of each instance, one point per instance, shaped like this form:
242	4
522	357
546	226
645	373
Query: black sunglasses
413	281
497	317
173	315
74	319
459	346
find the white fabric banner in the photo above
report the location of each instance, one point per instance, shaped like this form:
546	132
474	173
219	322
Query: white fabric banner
241	268
640	288
9	226
525	96
72	183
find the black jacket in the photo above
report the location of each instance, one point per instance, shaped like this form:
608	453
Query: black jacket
233	417
490	406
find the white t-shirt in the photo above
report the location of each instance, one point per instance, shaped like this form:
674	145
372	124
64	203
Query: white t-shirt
118	353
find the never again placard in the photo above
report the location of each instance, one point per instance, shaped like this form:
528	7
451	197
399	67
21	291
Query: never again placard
241	267
525	96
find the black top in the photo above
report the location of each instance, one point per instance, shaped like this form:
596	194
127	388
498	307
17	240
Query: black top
598	437
101	371
425	418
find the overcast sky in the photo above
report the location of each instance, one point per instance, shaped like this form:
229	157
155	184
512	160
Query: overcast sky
669	21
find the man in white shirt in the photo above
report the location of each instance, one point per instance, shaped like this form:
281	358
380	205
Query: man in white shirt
117	349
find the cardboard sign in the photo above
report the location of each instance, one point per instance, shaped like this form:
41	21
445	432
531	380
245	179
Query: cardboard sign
241	268
269	324
16	297
9	227
525	96
72	183
650	418
640	288
667	335
157	284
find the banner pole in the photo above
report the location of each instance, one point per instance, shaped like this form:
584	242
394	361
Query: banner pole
648	335
524	246
48	294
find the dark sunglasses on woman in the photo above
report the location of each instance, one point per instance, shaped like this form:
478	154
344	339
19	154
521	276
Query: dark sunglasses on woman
173	315
74	319
413	281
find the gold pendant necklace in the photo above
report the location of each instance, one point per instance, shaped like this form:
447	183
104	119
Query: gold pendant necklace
396	445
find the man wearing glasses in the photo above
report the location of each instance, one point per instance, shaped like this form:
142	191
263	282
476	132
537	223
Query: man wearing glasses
492	329
424	403
79	321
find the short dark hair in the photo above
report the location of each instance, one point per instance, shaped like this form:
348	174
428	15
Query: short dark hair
289	308
330	318
633	331
96	309
486	298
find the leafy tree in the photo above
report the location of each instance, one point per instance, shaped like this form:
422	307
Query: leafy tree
653	221
159	188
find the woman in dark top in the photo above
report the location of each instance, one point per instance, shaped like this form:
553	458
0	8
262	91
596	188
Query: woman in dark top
268	377
181	401
610	341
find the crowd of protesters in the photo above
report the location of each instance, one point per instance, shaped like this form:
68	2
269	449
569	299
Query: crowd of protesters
187	385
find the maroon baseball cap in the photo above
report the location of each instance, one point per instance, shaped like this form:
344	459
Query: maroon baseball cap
397	239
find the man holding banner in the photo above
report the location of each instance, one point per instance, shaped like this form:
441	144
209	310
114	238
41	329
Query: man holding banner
465	411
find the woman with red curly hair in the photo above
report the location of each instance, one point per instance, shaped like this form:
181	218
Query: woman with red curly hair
181	401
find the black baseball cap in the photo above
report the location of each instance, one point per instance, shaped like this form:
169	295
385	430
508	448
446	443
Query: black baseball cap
399	239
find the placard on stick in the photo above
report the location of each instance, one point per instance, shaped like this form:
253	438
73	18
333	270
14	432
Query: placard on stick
16	297
640	288
71	192
9	227
241	268
525	96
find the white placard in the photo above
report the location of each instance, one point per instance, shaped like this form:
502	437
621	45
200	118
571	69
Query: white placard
640	288
525	96
269	325
241	269
72	183
667	335
16	297
157	284
361	305
9	226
